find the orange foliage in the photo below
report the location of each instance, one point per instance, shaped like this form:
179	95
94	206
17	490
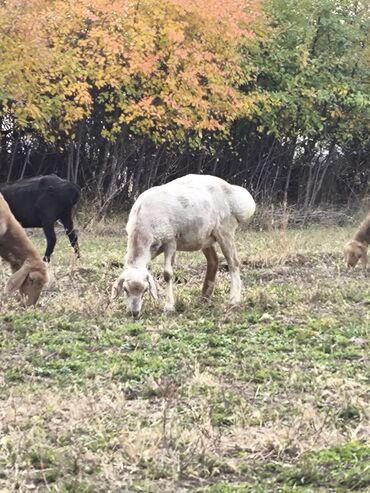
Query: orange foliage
161	67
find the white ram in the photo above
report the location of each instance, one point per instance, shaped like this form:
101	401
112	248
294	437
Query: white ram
187	214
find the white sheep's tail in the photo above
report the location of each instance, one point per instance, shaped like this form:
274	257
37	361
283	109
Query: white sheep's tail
242	204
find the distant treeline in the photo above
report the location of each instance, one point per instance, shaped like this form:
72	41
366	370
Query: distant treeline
122	95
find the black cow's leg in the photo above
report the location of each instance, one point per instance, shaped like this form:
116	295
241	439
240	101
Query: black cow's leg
71	233
51	239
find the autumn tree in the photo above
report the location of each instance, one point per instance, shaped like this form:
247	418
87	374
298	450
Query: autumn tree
121	95
312	99
166	69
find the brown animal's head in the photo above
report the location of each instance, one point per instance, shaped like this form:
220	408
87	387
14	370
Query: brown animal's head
135	282
29	279
354	251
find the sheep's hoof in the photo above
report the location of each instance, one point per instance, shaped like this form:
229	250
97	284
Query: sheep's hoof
169	309
234	302
233	308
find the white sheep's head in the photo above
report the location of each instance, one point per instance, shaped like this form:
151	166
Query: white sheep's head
135	282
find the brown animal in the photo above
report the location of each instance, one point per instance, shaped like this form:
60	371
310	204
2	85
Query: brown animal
29	271
356	249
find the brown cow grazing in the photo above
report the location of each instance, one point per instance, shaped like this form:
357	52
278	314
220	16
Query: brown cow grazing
29	271
356	249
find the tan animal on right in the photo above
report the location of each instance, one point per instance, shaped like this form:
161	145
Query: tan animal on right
356	248
30	273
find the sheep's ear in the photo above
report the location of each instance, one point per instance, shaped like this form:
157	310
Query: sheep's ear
152	287
18	278
117	287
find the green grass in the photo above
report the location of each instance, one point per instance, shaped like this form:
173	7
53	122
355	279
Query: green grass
270	397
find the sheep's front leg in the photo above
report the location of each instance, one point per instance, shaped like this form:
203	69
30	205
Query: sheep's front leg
226	242
212	265
169	258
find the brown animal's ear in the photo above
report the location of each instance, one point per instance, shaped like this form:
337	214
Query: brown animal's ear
351	245
41	277
347	251
354	251
117	287
152	287
18	278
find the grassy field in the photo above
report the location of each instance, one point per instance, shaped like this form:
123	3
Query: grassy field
270	397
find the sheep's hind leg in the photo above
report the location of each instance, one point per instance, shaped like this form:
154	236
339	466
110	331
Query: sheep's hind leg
169	258
212	266
226	242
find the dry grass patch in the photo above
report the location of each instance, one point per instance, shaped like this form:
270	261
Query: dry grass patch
206	399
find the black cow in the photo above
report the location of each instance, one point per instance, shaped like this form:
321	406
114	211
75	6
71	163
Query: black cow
39	202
